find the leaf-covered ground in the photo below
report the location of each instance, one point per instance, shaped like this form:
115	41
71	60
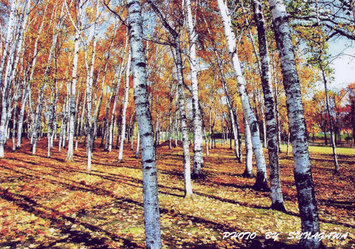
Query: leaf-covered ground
50	203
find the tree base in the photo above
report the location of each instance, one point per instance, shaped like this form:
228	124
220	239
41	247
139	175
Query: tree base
197	172
189	196
279	206
248	174
261	183
310	244
195	175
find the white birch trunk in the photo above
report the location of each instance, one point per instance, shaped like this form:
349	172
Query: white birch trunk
113	114
70	151
89	85
124	109
331	120
28	87
181	102
11	27
261	179
302	168
144	119
248	172
197	123
10	69
270	131
184	129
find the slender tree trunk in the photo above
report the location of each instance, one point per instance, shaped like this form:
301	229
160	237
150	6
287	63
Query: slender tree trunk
248	172
50	129
14	127
10	68
22	115
197	123
270	131
7	52
124	110
70	151
183	123
144	119
181	103
88	94
302	168
138	145
331	121
261	179
113	114
278	123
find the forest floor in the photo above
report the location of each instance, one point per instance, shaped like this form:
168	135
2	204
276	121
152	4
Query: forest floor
51	203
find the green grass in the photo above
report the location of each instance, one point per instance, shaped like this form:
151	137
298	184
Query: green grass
325	150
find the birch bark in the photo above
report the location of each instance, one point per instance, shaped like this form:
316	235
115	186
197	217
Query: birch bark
181	100
38	113
89	85
261	179
70	152
124	109
331	120
248	172
144	119
197	123
302	168
271	129
183	123
10	68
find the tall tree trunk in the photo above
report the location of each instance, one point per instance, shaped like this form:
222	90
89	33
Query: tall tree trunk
183	123
89	86
197	123
331	120
278	123
10	68
51	120
28	86
138	145
113	114
181	103
302	168
248	172
70	151
25	95
14	126
124	110
261	178
144	119
271	130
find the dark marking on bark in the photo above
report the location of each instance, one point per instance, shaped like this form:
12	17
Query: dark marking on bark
141	64
279	206
254	127
261	183
149	161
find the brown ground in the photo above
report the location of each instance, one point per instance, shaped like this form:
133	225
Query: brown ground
51	203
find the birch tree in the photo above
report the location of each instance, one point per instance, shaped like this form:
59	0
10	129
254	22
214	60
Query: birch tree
248	172
261	178
78	30
89	86
181	99
302	168
14	43
197	123
124	109
146	132
45	82
271	129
